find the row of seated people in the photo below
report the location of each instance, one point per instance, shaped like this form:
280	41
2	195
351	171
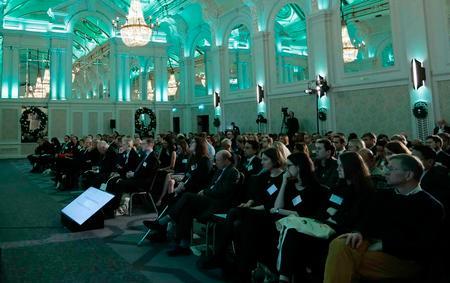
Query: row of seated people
256	189
337	192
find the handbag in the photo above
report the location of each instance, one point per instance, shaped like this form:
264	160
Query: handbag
305	225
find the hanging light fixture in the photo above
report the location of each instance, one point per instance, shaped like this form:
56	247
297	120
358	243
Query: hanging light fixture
135	31
172	84
350	51
150	92
42	86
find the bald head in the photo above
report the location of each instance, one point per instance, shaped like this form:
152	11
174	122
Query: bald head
223	159
102	146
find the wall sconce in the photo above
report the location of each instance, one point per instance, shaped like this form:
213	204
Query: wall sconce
216	99
259	93
417	74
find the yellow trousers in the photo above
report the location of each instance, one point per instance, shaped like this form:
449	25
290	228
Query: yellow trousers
345	263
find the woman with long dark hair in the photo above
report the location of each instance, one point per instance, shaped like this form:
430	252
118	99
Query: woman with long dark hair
199	168
168	155
253	225
301	193
344	207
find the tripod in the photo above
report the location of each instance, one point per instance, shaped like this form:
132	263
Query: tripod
283	124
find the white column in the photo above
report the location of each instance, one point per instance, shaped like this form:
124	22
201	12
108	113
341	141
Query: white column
54	70
409	15
68	67
188	80
7	69
15	73
113	73
125	77
320	46
161	78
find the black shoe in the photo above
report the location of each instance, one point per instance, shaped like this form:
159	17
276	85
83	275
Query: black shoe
154	225
210	262
179	251
158	238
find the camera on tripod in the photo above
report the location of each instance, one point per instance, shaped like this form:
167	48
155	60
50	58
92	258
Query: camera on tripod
284	110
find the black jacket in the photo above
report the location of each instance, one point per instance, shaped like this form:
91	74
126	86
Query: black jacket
436	181
147	169
443	158
107	163
222	189
199	175
252	168
327	175
407	226
125	164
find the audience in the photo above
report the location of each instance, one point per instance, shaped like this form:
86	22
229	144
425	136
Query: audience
212	199
398	235
263	190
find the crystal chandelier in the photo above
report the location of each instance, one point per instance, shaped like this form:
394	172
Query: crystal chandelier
172	84
150	92
42	87
350	52
135	31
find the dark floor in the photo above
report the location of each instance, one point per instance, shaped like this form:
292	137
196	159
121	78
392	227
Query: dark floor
35	247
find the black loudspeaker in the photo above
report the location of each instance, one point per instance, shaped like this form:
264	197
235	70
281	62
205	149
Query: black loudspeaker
84	212
112	123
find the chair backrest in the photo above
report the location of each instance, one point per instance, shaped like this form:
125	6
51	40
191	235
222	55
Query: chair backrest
157	183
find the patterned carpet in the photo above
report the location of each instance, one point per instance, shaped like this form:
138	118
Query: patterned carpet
35	247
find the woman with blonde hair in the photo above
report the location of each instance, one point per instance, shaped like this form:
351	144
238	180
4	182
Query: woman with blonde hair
283	151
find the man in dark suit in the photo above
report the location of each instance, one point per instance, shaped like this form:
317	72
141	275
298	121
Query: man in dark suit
216	198
292	125
435	178
441	127
251	163
435	142
136	181
326	165
128	158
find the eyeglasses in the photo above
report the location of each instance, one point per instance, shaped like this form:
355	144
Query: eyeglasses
391	169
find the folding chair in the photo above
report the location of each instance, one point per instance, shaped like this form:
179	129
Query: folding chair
159	174
132	195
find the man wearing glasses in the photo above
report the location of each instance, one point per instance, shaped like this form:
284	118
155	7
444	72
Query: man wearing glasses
400	232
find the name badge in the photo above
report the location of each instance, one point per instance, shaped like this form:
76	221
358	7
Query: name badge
193	167
103	187
250	167
272	189
336	199
184	161
297	200
144	164
331	211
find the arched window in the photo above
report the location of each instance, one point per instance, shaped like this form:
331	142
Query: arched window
366	35
291	45
90	61
240	60
34	73
200	69
173	74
